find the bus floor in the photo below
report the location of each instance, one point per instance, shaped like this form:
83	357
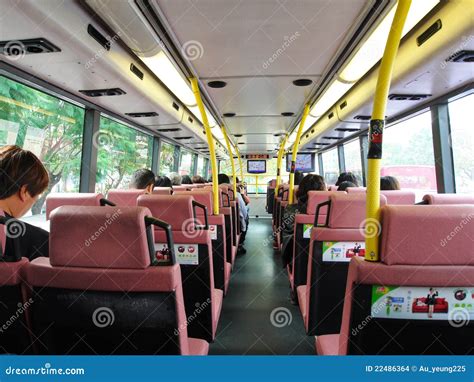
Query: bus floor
257	316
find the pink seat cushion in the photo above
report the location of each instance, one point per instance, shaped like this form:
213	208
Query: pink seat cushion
355	190
162	191
217	296
449	199
125	198
55	200
399	197
176	210
201	196
228	269
327	344
315	198
12	273
301	291
198	347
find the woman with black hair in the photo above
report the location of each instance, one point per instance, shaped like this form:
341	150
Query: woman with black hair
186	179
163	181
388	183
347	177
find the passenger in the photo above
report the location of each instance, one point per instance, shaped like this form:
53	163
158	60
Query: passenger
344	185
347	177
198	179
298	177
186	179
23	179
389	183
310	182
243	191
163	181
175	179
143	179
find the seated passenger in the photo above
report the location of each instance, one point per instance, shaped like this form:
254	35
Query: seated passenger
175	179
143	179
347	177
298	177
344	185
23	179
243	192
388	183
310	182
198	179
186	179
163	181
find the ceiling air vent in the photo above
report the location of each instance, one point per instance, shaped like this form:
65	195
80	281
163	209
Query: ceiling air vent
330	115
103	92
343	105
190	120
462	56
142	115
427	34
322	144
99	37
175	106
19	48
182	138
333	138
136	71
408	97
168	130
362	117
345	129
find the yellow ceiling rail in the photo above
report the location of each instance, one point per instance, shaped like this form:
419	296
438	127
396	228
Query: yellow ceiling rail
210	142
229	149
377	122
295	153
281	152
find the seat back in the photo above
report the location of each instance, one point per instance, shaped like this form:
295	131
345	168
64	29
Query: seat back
351	190
399	197
183	187
55	200
331	248
421	293
124	198
162	191
448	199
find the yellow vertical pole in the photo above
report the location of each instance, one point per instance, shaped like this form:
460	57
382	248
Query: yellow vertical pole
374	156
295	153
240	163
210	142
229	149
279	159
256	185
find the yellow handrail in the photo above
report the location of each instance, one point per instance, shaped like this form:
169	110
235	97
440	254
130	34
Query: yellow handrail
240	163
210	142
374	156
279	159
295	153
229	149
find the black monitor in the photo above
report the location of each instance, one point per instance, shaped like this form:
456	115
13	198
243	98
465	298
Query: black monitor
304	162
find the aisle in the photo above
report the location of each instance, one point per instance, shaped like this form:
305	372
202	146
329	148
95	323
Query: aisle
257	316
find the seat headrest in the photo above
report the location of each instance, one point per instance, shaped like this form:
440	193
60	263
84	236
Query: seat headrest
399	197
449	199
55	200
125	198
200	196
315	198
176	210
349	210
183	187
162	191
427	235
353	190
99	237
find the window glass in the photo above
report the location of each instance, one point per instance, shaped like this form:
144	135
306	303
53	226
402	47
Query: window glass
461	115
201	166
353	160
331	166
166	159
186	163
49	127
408	154
121	151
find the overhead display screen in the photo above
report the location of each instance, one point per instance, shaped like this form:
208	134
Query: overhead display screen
304	162
256	166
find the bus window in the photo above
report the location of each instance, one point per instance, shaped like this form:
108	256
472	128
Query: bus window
201	166
330	166
186	163
121	151
166	158
353	160
49	127
461	116
408	154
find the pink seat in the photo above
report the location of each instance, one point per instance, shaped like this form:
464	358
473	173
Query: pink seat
448	199
162	191
100	262
351	190
399	197
55	200
124	198
184	187
328	344
415	256
193	248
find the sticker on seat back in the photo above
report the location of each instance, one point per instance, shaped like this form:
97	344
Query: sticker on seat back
342	251
455	304
186	254
213	232
307	231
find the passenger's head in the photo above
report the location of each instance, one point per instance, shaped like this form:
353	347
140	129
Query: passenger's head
298	177
143	179
175	179
344	185
347	177
310	182
389	183
163	181
223	179
22	179
186	179
198	179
